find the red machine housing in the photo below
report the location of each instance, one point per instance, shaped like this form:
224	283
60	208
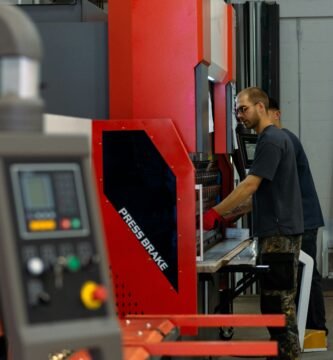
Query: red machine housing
140	285
154	48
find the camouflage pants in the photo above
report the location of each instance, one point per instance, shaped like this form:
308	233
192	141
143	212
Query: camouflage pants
278	289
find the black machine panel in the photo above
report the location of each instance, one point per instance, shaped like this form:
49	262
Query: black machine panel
59	266
247	144
141	181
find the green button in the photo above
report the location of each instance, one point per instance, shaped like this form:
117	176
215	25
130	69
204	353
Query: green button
73	263
76	223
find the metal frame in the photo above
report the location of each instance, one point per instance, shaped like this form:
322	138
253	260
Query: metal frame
135	338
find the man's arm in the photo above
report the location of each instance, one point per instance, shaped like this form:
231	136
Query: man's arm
237	203
239	198
244	208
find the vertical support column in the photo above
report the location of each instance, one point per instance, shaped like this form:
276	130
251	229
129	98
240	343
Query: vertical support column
120	59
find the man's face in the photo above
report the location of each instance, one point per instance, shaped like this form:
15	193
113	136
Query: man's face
246	112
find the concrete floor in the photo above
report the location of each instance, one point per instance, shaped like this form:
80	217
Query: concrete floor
249	304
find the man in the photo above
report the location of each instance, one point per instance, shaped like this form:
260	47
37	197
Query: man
313	219
277	212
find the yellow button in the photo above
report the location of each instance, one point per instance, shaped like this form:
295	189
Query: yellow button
42	225
87	296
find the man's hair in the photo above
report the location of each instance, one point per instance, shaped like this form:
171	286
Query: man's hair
273	104
255	95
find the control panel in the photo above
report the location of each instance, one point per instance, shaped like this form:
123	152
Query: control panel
58	257
54	276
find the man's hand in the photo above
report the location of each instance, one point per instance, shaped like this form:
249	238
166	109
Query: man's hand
211	219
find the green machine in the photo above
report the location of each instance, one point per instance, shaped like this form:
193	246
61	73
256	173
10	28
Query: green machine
54	280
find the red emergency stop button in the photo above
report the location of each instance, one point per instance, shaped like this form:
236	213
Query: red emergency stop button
100	293
93	295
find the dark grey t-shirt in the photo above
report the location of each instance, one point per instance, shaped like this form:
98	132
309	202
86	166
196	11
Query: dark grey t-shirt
313	217
277	204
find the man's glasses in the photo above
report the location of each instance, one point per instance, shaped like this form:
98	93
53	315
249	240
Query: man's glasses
243	109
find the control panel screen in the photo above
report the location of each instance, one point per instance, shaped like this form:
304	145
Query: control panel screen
250	150
49	200
37	191
247	145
